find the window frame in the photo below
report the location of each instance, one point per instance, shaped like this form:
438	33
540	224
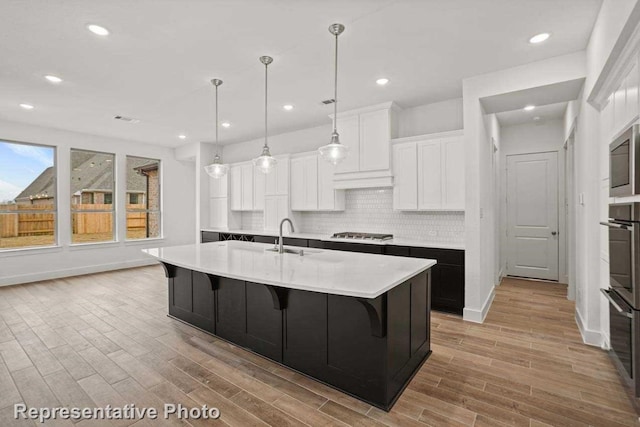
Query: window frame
113	210
146	198
54	211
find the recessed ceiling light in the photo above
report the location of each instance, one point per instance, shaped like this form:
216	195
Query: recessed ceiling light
27	106
53	79
225	124
539	38
97	29
288	107
383	81
182	136
529	108
536	118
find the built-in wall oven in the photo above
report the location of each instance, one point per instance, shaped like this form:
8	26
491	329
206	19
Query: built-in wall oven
624	163
623	292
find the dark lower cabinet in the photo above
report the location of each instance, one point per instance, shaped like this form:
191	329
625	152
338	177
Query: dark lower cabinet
230	309
191	297
264	321
355	247
305	332
369	348
209	236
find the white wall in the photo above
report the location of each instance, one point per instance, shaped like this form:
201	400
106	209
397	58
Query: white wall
528	138
421	120
178	202
479	215
431	118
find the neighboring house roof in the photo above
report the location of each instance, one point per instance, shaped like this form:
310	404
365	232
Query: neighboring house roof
43	184
91	172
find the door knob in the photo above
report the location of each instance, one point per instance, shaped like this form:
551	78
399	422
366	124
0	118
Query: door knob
553	233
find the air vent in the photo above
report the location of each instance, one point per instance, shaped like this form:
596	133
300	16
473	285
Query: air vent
127	119
328	101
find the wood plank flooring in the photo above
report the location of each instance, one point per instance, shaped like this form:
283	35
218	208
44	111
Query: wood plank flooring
105	339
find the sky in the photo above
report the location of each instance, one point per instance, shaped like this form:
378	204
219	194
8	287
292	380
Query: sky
20	164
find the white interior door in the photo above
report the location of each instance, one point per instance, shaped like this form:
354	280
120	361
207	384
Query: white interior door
532	210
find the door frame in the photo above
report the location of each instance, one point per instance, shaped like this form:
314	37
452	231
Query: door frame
562	224
570	214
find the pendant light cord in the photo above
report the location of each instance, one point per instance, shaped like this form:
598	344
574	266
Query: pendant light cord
217	145
265	104
335	89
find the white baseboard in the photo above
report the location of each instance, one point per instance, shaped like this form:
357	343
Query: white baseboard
478	316
589	336
68	272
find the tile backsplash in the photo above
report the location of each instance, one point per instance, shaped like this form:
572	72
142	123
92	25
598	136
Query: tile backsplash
371	210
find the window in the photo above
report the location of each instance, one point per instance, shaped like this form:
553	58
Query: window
92	177
108	198
143	190
27	195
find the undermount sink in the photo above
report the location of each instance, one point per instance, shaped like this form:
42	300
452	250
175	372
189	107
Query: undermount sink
300	252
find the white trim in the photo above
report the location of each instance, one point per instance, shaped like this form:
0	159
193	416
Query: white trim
31	250
93	245
589	336
56	274
426	137
389	105
133	242
478	316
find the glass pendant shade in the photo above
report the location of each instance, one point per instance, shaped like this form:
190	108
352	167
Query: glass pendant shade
266	162
216	169
334	152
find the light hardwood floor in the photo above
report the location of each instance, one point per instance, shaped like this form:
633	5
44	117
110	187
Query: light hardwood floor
105	339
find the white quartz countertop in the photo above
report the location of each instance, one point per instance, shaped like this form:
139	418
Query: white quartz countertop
328	238
319	270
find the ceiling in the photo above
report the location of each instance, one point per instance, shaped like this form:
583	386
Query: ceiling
156	64
539	95
543	112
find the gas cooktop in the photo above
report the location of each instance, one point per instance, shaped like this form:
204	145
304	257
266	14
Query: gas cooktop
362	236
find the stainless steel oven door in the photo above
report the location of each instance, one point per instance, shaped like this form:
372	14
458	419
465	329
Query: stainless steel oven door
623	324
624	159
622	264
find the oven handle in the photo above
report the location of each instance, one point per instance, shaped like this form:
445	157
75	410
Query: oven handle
614	225
605	292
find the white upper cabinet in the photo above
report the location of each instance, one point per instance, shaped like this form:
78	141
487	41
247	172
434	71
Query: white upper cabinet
312	184
625	100
429	172
259	186
241	194
367	132
277	181
235	186
329	199
405	185
275	209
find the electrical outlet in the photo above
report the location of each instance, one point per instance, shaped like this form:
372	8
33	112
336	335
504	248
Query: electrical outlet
581	199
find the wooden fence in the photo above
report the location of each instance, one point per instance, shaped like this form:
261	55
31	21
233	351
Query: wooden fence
28	220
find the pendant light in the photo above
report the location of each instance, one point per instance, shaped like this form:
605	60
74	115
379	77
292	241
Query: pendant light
266	162
216	169
335	152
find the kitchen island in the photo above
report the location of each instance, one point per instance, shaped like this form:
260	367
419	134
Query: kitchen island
358	322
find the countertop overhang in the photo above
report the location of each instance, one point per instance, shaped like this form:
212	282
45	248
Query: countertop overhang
319	270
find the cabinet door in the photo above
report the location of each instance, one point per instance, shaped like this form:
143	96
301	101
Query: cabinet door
247	187
230	310
619	107
305	340
275	208
259	185
632	93
264	322
429	175
235	175
375	136
218	212
298	185
277	181
453	174
349	130
328	198
405	180
311	182
218	186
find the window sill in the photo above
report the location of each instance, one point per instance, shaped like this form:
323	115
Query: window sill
93	245
34	250
134	242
